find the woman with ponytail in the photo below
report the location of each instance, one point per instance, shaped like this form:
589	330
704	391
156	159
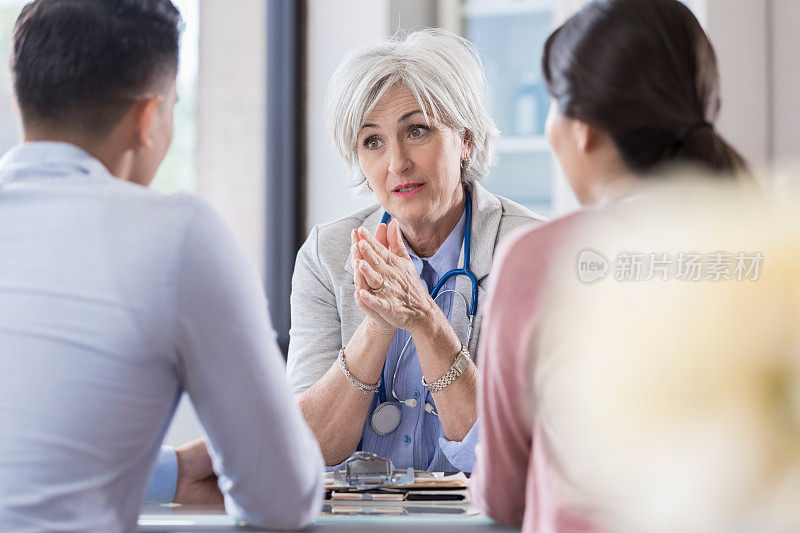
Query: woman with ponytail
634	88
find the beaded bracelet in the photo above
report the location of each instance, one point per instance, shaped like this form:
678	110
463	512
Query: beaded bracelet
360	385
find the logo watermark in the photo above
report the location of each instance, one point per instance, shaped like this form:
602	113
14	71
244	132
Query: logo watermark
592	266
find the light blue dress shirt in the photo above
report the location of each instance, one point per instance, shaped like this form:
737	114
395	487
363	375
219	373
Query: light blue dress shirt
114	300
164	479
419	440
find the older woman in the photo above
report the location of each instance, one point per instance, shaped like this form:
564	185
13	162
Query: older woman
378	363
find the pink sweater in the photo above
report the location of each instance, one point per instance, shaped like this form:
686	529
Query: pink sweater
513	481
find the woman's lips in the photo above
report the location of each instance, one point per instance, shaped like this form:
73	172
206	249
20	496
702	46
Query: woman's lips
407	190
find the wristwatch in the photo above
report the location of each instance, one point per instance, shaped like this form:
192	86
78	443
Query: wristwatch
456	369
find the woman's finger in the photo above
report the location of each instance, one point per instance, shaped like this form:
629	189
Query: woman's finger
362	304
381	234
374	280
379	248
358	277
370	256
359	280
355	253
372	302
395	238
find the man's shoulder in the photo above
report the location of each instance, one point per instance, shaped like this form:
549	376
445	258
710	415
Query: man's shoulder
159	221
179	207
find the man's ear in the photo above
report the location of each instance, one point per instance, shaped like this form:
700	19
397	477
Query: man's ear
144	110
585	136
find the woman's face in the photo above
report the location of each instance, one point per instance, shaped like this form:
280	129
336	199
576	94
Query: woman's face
412	166
560	135
588	157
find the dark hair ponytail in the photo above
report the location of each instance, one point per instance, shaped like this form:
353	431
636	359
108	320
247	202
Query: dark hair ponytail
707	147
644	72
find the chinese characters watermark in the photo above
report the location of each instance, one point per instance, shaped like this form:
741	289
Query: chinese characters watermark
592	266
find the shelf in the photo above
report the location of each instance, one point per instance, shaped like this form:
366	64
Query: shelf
504	8
519	144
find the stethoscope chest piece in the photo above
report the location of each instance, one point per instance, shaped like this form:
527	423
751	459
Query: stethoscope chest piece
386	418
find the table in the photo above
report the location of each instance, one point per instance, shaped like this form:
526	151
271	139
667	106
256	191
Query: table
419	517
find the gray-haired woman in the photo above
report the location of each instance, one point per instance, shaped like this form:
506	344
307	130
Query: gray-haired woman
378	363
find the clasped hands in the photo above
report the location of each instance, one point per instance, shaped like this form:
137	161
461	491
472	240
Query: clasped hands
388	288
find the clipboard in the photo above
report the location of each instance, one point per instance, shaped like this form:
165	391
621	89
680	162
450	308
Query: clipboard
422	481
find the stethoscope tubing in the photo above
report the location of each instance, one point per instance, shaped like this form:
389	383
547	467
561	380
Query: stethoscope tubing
434	293
465	270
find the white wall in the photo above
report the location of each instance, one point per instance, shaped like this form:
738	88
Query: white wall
785	23
411	14
738	31
333	29
231	108
231	136
757	44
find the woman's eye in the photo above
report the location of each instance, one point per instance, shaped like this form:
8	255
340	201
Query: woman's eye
372	143
417	131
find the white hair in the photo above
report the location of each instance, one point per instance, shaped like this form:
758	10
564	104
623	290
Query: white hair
442	70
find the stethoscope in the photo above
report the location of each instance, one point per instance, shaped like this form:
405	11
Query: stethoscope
387	415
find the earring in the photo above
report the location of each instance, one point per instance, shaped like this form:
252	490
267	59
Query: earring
368	187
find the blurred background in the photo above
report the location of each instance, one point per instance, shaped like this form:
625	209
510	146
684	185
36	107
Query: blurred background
250	138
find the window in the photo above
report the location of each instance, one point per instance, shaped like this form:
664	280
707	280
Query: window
178	172
509	35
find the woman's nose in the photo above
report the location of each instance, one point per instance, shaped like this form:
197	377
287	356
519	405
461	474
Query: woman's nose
399	160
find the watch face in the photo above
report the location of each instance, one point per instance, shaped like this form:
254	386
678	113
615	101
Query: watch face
462	363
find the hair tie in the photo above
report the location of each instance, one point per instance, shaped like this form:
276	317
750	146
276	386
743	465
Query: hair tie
684	134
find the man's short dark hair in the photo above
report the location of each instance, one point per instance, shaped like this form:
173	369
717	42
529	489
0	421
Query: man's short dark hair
78	65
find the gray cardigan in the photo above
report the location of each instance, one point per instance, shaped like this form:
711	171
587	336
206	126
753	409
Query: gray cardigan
324	311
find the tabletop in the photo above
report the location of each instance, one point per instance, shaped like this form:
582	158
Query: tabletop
420	517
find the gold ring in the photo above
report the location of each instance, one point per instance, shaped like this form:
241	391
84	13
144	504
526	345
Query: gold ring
379	290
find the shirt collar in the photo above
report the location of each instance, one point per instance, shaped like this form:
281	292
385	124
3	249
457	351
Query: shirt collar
446	257
47	158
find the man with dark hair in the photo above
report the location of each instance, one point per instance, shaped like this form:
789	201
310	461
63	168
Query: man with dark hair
115	299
